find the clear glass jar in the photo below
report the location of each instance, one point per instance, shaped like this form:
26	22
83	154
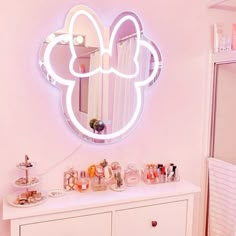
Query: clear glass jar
70	179
131	175
150	174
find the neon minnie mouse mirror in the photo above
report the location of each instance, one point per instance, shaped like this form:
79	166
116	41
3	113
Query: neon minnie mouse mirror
102	72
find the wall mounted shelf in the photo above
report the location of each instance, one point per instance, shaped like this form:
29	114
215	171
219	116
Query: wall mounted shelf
224	57
229	5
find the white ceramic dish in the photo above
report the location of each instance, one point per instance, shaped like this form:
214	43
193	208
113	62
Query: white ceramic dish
56	192
19	182
11	198
23	167
114	187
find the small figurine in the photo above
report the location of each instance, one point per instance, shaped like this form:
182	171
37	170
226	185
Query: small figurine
104	163
26	163
118	186
119	181
91	171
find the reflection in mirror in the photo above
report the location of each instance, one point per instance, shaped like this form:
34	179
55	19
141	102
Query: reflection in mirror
102	72
224	129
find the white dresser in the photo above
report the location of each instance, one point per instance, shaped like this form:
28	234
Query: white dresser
150	210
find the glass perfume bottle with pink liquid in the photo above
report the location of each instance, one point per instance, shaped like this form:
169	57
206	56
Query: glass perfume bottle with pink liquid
131	175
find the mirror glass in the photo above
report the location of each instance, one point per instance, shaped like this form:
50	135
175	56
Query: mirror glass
224	130
102	72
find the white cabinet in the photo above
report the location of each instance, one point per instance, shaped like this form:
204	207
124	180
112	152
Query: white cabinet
157	220
145	210
98	224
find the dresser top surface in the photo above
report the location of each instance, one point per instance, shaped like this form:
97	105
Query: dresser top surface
74	200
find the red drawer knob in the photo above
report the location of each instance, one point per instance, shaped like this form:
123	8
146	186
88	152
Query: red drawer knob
154	223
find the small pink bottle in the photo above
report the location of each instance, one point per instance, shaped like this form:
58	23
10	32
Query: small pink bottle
83	182
131	175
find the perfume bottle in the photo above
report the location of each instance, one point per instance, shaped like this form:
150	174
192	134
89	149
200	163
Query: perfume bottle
70	179
83	182
98	183
131	175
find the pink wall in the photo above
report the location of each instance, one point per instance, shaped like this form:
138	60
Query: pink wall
172	125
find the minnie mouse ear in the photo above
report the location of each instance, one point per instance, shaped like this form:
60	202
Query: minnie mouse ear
92	38
126	31
150	69
55	57
63	54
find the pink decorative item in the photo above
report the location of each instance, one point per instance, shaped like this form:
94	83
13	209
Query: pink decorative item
70	179
131	175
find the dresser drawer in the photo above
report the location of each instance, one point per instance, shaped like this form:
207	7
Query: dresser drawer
90	225
166	219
